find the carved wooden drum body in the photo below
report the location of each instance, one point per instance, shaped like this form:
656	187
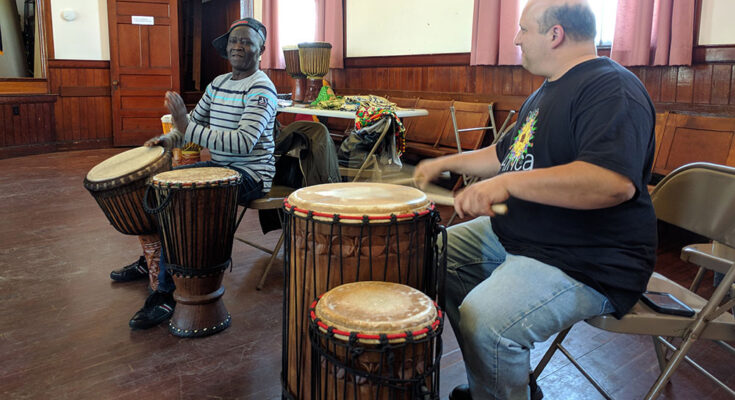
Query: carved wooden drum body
314	63
375	340
293	68
196	209
118	185
348	232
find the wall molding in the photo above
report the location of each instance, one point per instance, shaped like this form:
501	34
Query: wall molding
713	54
700	55
84	91
88	64
416	60
22	99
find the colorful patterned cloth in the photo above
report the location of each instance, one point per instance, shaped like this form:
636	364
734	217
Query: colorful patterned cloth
368	114
368	110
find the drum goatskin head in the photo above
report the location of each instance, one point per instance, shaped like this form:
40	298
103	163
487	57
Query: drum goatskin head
124	163
360	198
373	308
195	175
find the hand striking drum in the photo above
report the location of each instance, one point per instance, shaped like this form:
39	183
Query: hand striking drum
348	232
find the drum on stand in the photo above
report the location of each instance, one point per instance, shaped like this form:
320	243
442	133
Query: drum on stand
293	68
348	232
196	209
119	183
373	341
314	63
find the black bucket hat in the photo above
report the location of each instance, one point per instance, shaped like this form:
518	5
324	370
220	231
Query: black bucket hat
221	42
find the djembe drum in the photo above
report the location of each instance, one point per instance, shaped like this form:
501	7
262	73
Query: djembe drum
118	186
293	68
196	210
348	232
314	63
375	340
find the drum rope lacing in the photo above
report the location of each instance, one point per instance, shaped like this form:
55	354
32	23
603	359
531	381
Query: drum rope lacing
183	185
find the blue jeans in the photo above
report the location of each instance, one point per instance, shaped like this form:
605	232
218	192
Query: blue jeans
500	304
249	190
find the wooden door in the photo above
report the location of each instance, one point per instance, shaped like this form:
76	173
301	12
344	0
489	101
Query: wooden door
144	64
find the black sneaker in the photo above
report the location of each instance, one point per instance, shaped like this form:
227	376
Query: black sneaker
536	393
158	307
132	272
462	392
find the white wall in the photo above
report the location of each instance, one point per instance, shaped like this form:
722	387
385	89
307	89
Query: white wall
86	37
716	26
403	27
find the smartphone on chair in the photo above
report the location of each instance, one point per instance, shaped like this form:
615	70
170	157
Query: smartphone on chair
666	303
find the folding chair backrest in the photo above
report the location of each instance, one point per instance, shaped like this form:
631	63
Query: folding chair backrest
661	119
405	102
699	197
468	115
427	129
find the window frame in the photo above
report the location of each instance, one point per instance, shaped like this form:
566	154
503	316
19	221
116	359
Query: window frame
15	86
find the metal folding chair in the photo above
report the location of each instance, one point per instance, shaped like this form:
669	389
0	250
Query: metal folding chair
698	197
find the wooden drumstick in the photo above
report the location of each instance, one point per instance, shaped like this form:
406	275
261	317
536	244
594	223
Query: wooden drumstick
402	181
444	200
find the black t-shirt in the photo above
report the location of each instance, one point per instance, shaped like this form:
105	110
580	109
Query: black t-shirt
600	113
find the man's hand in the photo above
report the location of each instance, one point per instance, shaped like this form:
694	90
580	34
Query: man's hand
177	108
158	141
426	171
478	199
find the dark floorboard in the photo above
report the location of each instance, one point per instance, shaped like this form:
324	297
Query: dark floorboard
64	332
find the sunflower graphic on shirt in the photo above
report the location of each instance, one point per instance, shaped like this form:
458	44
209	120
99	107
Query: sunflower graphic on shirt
522	141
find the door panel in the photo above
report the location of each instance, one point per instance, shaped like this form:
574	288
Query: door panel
145	81
144	64
161	57
136	8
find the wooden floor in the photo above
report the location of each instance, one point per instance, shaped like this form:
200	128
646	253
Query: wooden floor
64	325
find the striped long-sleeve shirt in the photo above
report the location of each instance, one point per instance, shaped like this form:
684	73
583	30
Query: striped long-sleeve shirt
234	120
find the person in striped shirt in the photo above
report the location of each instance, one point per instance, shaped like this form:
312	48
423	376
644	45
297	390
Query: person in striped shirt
234	119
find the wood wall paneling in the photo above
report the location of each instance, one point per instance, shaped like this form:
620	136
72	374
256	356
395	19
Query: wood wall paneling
83	109
27	125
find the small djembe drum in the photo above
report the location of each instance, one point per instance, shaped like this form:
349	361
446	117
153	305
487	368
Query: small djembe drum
293	68
314	63
196	209
374	341
347	232
119	183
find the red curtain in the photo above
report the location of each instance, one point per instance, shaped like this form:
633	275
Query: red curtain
272	57
494	26
329	28
654	32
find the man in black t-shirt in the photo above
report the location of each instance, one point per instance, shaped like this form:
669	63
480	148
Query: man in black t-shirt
579	237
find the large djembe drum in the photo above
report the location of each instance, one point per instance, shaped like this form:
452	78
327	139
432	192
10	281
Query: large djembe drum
196	209
293	68
314	63
375	341
119	183
348	232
